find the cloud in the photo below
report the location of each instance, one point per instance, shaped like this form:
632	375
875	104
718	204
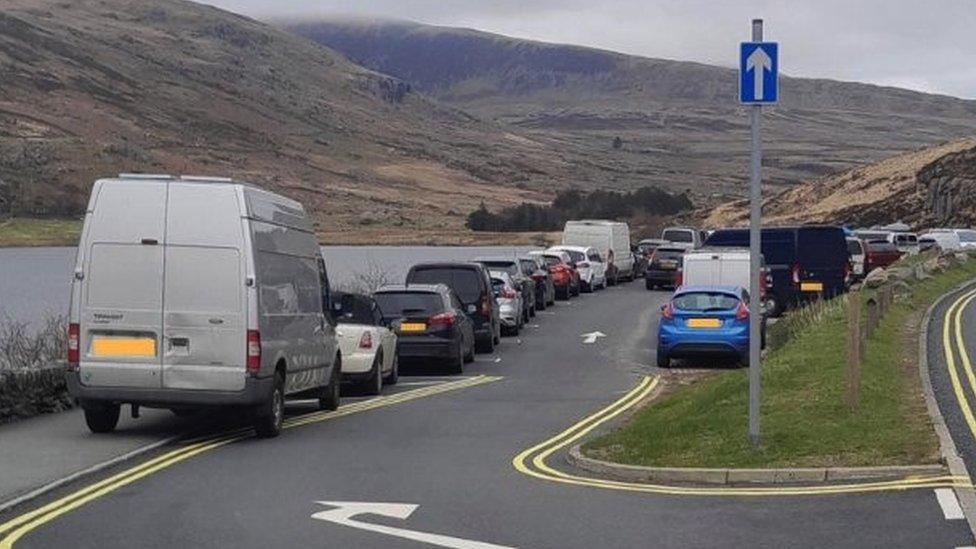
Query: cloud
925	46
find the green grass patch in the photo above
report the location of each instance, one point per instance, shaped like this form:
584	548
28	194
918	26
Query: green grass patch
804	420
26	231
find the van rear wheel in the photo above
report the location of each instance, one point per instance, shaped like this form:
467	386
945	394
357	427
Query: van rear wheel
271	414
102	418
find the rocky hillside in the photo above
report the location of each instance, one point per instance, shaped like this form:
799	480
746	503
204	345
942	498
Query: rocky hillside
97	87
930	187
678	123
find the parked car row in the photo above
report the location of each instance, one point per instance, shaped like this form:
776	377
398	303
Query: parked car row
192	293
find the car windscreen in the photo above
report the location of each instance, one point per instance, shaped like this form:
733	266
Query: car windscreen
854	247
508	266
678	235
466	282
704	301
400	304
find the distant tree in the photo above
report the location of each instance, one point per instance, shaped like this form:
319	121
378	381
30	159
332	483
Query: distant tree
482	220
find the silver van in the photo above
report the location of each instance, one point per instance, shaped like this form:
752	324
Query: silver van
194	292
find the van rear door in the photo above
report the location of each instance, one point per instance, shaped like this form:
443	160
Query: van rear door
204	313
122	285
821	258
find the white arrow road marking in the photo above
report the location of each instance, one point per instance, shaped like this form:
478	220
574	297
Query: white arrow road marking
949	504
758	62
345	511
591	337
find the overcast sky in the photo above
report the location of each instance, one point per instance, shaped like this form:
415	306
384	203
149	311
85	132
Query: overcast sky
923	45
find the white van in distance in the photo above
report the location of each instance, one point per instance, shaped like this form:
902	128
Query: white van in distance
610	238
194	292
722	267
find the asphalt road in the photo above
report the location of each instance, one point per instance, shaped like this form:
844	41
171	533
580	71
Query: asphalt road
451	455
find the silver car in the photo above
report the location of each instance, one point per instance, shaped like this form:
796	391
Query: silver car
510	307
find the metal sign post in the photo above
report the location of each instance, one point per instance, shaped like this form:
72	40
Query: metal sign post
758	84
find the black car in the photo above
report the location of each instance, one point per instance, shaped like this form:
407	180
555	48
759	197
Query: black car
472	284
430	323
664	267
525	284
804	262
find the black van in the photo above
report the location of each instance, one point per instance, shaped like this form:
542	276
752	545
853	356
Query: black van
803	262
472	284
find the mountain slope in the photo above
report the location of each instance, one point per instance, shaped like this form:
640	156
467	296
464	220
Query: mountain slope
97	87
930	187
678	122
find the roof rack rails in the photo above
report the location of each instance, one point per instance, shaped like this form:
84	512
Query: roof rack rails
207	178
145	176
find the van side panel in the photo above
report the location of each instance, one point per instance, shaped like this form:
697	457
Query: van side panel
292	325
204	310
121	287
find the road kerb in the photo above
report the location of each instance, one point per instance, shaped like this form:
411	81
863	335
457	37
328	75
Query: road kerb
732	477
950	455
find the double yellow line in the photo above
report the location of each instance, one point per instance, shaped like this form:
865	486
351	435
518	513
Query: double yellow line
20	526
533	462
952	335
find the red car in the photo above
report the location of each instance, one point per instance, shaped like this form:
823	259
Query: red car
564	274
879	253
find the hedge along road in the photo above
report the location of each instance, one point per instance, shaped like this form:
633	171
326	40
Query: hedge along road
451	455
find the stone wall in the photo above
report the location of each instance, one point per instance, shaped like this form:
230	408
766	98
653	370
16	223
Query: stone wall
28	392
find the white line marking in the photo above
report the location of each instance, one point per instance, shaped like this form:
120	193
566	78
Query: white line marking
949	503
413	383
345	511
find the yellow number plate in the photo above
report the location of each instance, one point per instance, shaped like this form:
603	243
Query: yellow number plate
413	327
811	286
123	347
704	323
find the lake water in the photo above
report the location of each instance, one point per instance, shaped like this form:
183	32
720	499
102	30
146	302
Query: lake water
34	282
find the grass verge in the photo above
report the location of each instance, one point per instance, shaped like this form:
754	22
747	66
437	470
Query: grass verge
804	421
27	231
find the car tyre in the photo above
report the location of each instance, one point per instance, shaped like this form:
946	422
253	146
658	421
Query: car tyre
271	414
457	364
487	345
394	376
469	357
663	360
102	418
331	392
373	385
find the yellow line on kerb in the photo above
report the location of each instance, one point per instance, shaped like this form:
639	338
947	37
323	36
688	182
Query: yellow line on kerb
533	462
18	527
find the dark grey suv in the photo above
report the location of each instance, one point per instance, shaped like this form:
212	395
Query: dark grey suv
472	284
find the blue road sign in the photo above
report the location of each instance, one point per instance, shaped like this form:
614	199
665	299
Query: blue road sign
758	72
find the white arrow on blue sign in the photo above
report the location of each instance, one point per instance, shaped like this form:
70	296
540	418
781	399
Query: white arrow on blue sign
758	72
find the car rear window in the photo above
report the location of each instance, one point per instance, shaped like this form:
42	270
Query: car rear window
528	266
466	282
552	260
669	253
508	266
704	301
399	304
854	247
881	246
678	235
576	256
353	309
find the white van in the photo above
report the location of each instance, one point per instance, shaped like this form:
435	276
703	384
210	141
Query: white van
610	238
724	267
195	292
946	239
683	236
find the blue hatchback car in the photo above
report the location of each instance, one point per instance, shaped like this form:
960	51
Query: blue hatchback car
705	321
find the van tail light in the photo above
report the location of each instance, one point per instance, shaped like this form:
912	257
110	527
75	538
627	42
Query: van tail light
679	278
507	293
366	341
486	307
742	312
441	321
74	344
795	269
667	312
253	351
